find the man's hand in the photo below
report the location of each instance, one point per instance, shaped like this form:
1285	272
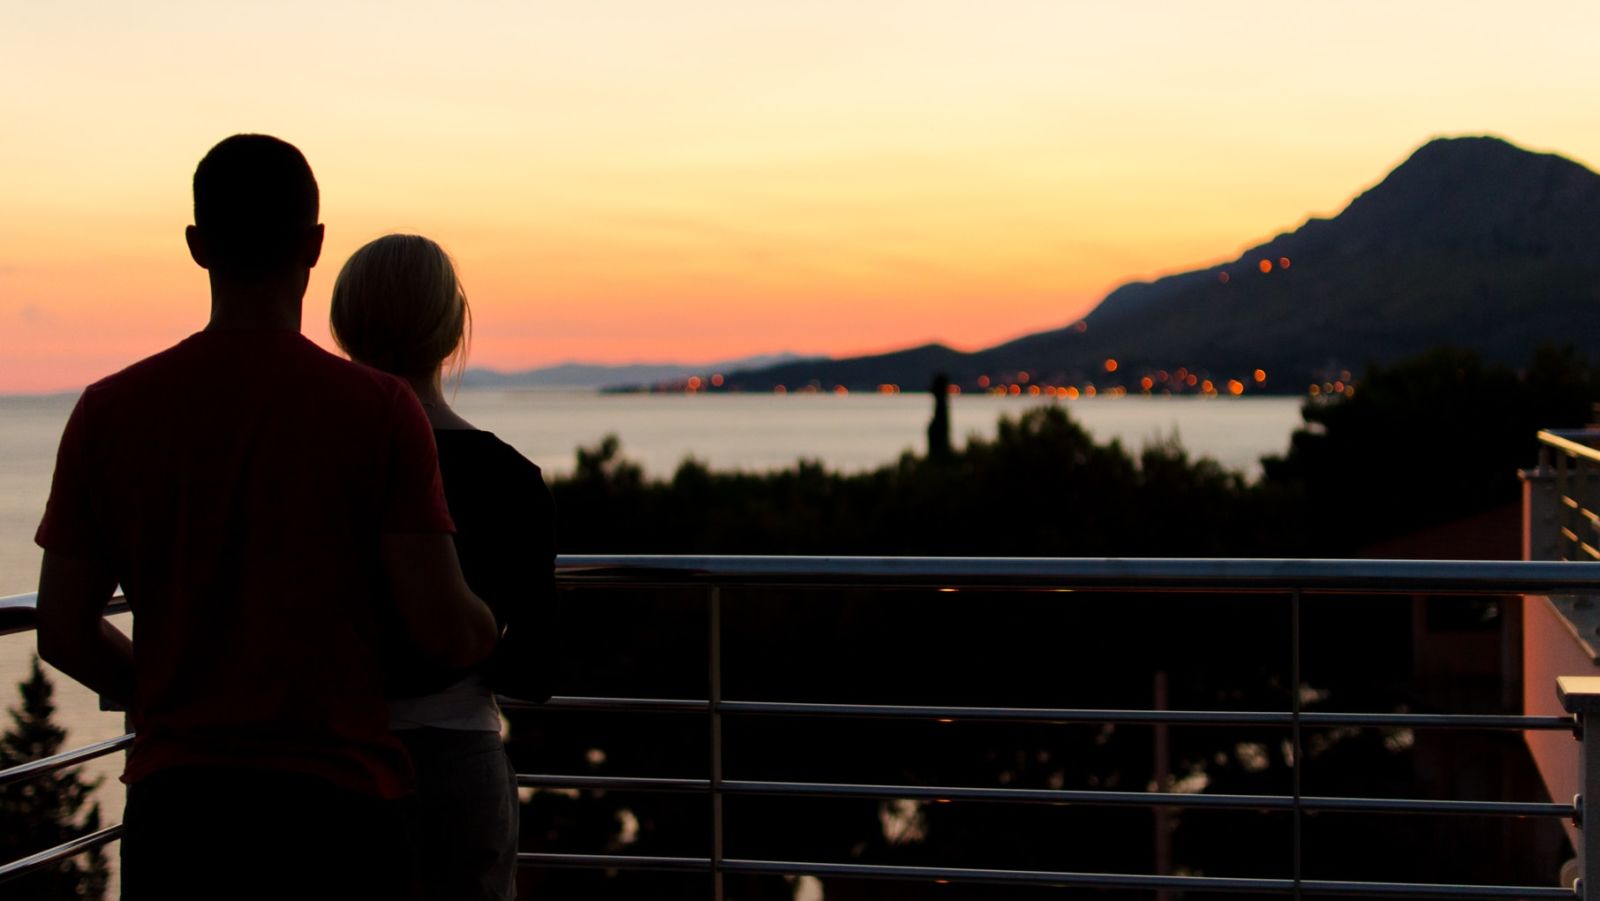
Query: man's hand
445	620
74	636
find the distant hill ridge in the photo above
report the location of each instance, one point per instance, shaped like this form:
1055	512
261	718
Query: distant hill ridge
1472	242
601	375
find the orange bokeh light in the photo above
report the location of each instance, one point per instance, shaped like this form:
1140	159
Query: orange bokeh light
1111	365
1265	266
1261	375
1235	387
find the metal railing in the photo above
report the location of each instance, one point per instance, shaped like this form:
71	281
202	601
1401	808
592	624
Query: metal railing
1292	579
1575	462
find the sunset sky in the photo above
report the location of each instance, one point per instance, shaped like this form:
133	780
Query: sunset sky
693	180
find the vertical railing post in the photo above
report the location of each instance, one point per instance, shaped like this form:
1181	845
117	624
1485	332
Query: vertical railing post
1161	814
714	712
1295	739
1573	505
1542	509
1580	696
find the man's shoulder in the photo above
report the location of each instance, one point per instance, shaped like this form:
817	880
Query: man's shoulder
273	362
152	372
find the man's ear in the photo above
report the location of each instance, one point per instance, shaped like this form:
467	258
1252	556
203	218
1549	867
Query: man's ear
197	247
311	246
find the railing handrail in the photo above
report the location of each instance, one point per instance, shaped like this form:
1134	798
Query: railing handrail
1107	573
1038	574
1057	715
1571	442
18	612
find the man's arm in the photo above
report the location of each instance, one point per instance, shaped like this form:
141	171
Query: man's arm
444	619
74	636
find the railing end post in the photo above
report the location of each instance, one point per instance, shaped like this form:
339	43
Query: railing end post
1580	696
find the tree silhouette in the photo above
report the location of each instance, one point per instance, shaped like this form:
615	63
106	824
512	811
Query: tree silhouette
48	810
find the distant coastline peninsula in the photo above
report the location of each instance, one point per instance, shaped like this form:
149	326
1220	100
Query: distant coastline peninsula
1472	242
625	377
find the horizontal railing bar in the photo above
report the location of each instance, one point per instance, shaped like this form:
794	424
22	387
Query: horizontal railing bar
613	861
1148	799
1561	439
1139	881
17	611
59	853
613	783
1062	715
613	705
1042	877
40	767
1164	717
1576	507
1044	573
1054	796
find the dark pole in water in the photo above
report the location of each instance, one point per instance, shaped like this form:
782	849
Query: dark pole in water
939	427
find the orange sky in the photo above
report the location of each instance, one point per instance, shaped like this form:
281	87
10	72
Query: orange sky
700	180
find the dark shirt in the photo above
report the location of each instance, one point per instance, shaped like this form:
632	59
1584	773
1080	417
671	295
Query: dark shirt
505	536
237	486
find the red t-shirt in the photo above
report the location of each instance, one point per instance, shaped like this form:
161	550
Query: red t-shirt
238	484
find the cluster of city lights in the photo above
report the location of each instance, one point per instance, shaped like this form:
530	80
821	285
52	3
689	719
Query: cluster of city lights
696	384
1152	382
1024	384
1335	387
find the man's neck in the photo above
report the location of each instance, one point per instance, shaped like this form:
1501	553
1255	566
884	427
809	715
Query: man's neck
253	306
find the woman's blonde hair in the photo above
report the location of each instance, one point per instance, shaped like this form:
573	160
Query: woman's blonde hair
398	306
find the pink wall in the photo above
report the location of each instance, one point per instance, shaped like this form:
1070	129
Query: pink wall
1549	649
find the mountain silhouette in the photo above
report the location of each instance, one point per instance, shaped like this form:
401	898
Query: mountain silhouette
1471	242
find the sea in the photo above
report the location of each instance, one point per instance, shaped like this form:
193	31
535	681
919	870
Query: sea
752	432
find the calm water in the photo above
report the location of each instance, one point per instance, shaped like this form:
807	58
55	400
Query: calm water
725	431
658	431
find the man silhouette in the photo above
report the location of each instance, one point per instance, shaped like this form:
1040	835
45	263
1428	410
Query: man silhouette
267	508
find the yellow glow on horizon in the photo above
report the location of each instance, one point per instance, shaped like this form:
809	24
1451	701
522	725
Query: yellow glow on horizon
626	181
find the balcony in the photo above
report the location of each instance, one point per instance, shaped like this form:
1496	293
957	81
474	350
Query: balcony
1279	606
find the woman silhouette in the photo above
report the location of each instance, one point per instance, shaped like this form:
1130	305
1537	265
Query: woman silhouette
398	306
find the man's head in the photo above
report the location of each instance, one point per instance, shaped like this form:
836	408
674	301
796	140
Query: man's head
255	210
